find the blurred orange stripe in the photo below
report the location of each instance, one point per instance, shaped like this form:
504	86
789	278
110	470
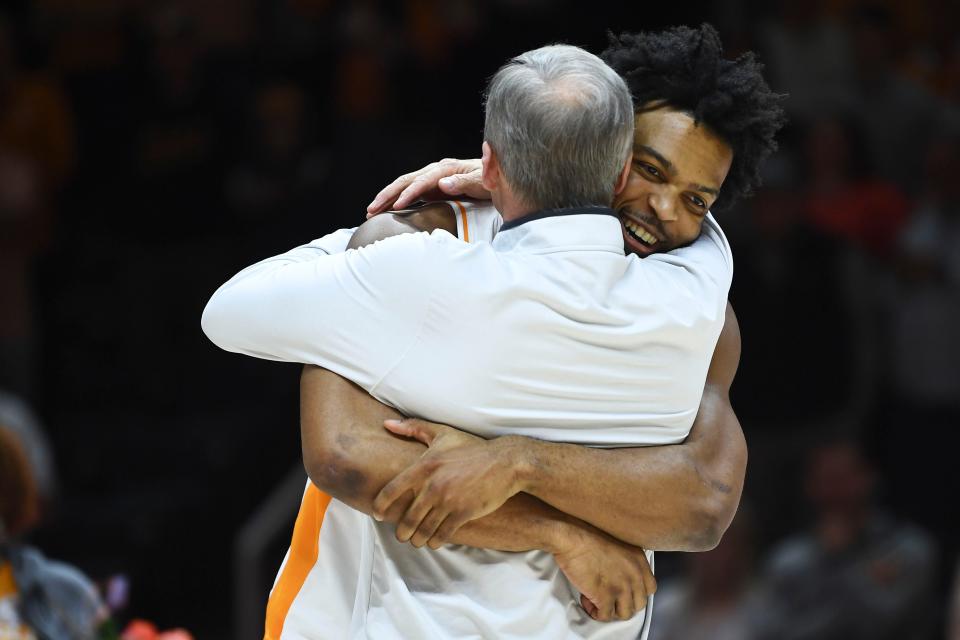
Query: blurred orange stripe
304	549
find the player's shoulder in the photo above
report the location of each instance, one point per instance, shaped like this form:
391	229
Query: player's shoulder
477	221
709	255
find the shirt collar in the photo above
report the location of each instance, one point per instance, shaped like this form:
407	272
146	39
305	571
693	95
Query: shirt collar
570	229
549	213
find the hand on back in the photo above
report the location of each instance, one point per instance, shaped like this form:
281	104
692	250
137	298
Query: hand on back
436	181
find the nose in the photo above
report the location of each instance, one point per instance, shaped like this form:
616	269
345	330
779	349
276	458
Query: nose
662	203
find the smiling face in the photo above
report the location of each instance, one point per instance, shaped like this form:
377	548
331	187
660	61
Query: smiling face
678	169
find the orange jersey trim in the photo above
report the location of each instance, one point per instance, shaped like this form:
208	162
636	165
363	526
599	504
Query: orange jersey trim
304	550
463	218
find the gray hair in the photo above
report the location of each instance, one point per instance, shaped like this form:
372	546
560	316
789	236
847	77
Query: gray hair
561	123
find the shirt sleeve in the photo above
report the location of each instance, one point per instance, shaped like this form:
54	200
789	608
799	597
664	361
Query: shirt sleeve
353	312
709	260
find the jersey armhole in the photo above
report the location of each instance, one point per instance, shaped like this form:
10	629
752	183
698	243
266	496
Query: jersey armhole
463	220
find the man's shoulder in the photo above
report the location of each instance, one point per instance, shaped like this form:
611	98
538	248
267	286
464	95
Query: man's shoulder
710	254
435	252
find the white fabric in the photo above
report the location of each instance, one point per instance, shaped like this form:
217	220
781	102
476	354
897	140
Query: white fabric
549	331
476	222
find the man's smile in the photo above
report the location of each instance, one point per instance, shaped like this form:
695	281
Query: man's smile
639	236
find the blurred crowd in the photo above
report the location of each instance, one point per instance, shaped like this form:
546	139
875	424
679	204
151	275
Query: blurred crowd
149	149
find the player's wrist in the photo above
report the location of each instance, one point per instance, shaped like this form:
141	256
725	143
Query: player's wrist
567	536
518	451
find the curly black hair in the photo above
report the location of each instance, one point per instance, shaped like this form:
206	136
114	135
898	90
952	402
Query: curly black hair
685	69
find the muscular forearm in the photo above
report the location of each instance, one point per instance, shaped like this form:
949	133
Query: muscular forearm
349	455
676	497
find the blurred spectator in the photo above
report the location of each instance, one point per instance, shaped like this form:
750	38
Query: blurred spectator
180	137
296	32
923	349
36	157
35	119
845	198
925	305
792	295
717	600
900	116
279	177
364	87
85	35
436	29
17	417
857	574
810	59
39	598
23	233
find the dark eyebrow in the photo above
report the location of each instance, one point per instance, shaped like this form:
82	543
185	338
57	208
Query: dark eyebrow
714	192
656	154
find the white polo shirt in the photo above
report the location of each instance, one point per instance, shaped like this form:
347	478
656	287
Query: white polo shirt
549	331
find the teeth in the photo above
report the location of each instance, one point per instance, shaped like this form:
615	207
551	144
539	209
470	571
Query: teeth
640	232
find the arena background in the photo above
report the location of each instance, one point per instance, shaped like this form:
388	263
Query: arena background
168	144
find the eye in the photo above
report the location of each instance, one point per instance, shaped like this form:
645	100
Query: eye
698	202
650	169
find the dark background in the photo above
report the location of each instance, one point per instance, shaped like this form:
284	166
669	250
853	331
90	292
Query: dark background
149	150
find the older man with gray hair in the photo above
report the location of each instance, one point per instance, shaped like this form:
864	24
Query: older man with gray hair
560	123
548	332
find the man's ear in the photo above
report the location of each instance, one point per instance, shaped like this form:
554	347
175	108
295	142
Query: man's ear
624	176
490	177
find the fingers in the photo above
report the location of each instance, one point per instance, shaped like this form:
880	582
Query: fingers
395	511
411	520
646	574
601	605
416	429
645	587
623	608
446	531
407	479
649	584
388	195
618	603
640	597
427	181
588	606
411	186
465	184
428	527
605	608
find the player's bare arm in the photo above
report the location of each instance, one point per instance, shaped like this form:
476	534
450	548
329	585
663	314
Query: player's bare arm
349	455
676	497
